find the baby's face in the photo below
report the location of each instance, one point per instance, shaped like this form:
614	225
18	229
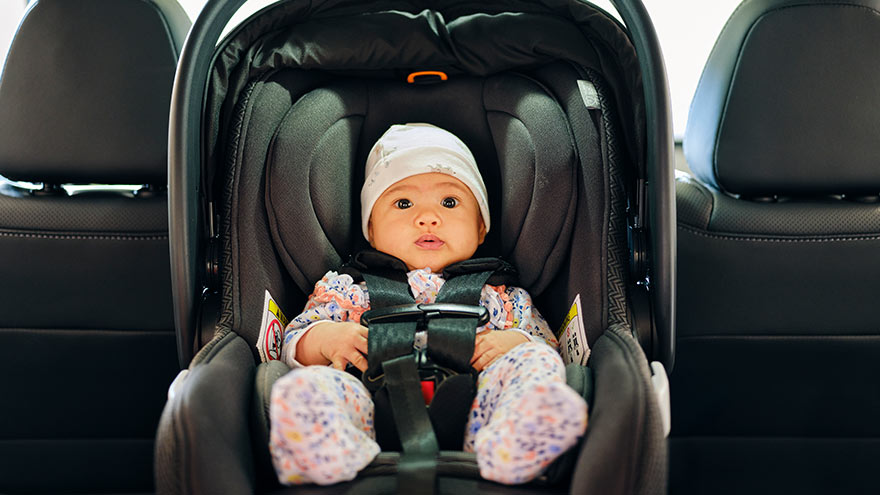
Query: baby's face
427	220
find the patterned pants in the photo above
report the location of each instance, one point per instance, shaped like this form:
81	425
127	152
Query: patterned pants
523	417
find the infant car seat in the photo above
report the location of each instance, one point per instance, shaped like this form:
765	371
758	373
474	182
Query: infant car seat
271	132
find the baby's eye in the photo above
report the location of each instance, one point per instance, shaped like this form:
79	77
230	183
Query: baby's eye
403	203
449	202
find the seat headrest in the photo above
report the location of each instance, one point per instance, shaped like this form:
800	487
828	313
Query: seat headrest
86	89
788	103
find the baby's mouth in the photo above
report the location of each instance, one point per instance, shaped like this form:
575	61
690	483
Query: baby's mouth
429	241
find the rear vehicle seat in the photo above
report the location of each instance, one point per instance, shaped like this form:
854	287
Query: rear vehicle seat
87	342
775	388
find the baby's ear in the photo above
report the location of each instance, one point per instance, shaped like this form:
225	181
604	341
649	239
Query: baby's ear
482	232
370	232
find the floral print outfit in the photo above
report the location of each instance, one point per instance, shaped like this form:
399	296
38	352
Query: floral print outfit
523	416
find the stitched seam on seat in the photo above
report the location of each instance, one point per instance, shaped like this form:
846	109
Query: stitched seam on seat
780	337
131	237
752	238
738	438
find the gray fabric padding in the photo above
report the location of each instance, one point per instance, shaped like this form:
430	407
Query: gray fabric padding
83	98
266	376
813	129
624	413
209	414
310	189
536	163
250	264
593	227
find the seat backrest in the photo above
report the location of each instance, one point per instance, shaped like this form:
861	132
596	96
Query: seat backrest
87	342
778	340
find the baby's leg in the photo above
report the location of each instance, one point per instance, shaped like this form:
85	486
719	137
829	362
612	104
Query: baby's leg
524	415
321	426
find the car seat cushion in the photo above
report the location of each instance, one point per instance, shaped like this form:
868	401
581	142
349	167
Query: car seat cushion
515	129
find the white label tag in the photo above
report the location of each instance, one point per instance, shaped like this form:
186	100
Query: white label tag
271	330
589	94
572	338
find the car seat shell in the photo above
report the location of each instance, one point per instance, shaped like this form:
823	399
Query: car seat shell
622	354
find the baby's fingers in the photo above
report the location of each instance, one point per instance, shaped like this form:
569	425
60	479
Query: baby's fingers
482	359
358	361
361	345
481	346
338	362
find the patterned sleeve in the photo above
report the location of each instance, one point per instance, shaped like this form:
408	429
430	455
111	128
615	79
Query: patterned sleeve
335	298
511	308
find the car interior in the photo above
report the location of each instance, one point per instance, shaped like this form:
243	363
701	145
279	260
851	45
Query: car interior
774	387
87	340
163	183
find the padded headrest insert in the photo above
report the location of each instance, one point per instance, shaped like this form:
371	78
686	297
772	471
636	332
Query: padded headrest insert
517	132
86	89
788	102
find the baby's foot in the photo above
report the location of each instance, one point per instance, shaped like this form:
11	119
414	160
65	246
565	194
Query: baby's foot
520	442
313	435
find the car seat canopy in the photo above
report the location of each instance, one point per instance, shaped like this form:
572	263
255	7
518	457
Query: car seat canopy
457	39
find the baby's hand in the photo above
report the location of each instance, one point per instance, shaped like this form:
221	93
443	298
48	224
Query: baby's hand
335	343
491	345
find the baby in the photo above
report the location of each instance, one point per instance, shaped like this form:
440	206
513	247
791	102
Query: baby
424	202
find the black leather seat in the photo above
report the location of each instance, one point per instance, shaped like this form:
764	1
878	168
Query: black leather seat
776	386
87	343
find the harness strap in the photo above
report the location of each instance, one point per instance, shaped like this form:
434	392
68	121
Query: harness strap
451	340
390	355
388	288
418	466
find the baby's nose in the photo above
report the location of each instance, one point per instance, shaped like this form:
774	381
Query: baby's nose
428	217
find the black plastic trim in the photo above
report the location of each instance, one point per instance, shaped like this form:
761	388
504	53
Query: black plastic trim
660	162
186	224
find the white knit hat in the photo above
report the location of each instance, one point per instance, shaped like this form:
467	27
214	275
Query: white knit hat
412	149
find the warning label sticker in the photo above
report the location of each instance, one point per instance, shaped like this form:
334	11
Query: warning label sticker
271	330
571	335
